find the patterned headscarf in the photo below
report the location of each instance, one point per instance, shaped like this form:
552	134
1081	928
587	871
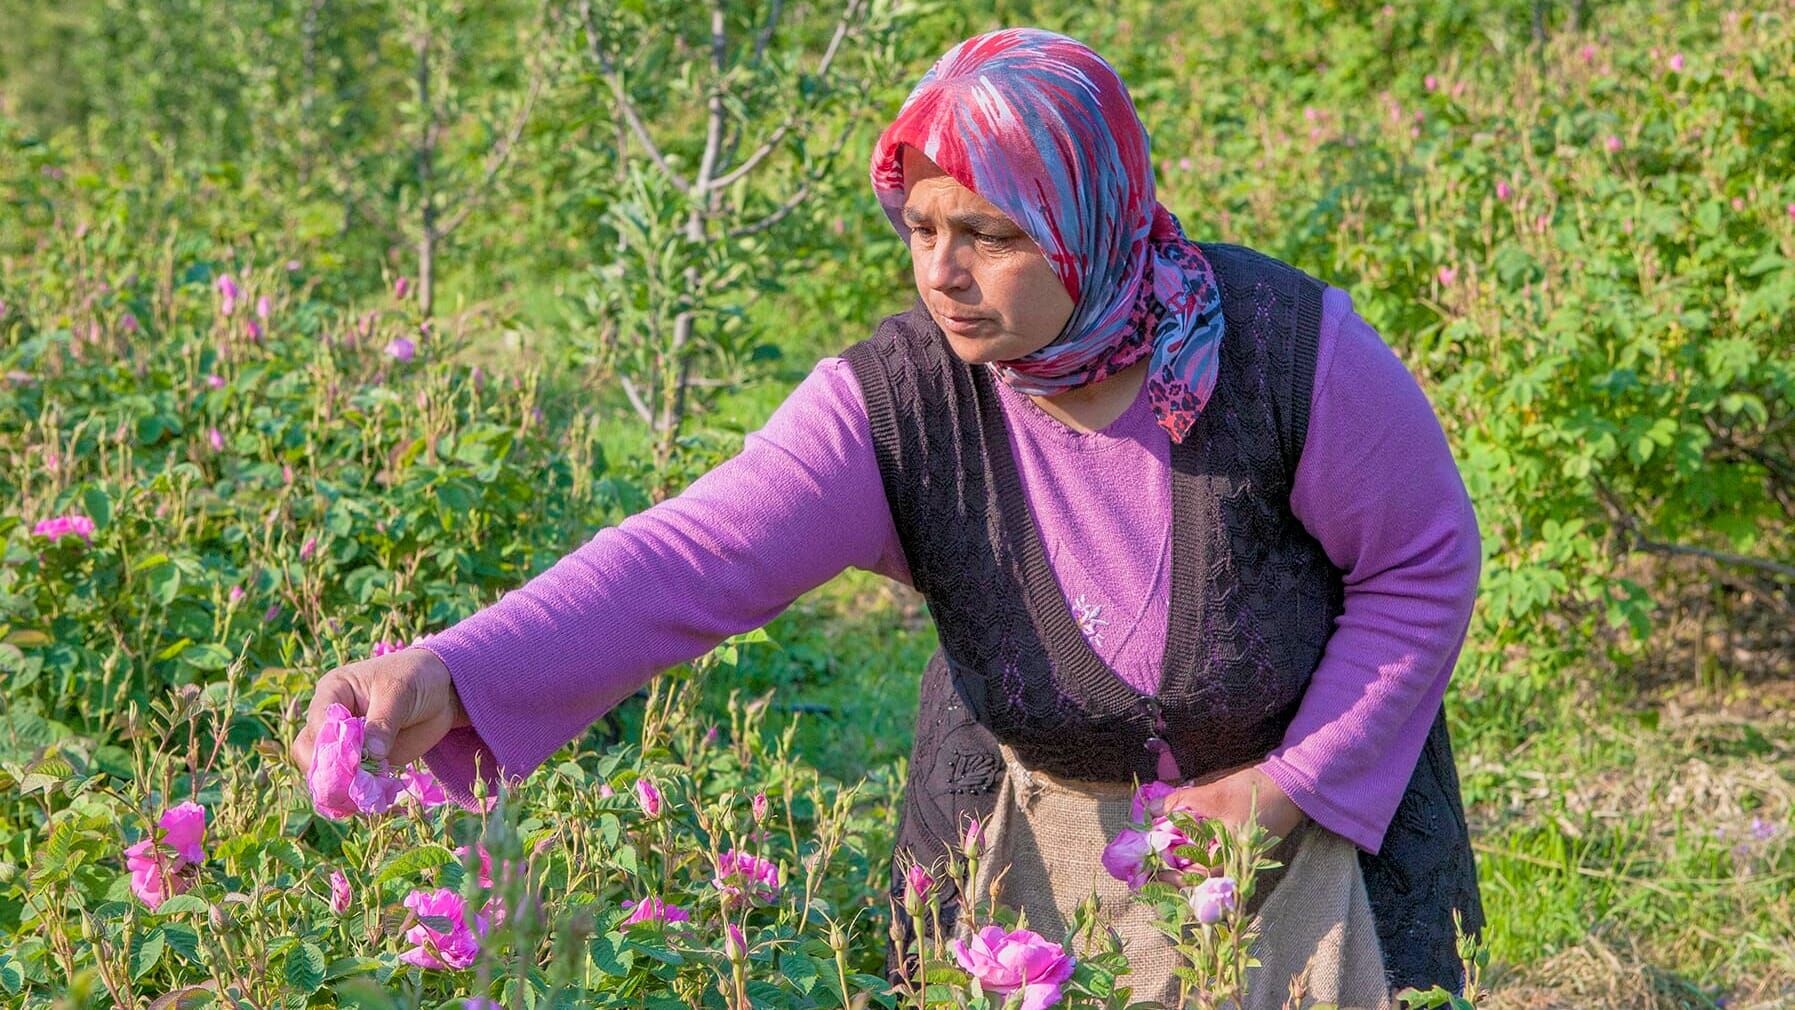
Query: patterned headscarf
1043	128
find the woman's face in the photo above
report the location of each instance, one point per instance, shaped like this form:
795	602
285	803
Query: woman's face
973	262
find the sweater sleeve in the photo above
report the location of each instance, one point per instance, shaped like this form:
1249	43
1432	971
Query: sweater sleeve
802	501
1378	488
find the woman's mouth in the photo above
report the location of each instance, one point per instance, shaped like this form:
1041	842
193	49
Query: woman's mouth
964	324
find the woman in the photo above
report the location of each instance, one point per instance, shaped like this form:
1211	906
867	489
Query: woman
1177	510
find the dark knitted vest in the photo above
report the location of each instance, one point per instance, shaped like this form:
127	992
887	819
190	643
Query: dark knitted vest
1253	601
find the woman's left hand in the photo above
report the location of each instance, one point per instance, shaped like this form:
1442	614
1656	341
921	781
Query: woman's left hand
1231	797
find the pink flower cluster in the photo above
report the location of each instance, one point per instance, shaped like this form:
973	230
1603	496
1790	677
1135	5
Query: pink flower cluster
162	865
1004	962
743	876
60	526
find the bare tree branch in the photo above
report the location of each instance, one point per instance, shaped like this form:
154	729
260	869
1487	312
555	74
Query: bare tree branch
776	216
713	129
772	142
623	101
1629	524
635	399
791	204
766	33
497	157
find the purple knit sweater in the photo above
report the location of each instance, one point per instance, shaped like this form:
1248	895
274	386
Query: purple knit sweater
1376	486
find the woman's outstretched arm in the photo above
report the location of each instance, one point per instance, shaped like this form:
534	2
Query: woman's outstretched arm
1377	486
800	502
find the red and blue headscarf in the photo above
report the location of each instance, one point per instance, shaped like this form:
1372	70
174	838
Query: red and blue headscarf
1042	127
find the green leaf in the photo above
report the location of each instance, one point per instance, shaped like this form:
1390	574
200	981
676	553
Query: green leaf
413	862
305	967
147	953
799	970
182	939
99	507
210	657
366	994
182	904
285	850
610	954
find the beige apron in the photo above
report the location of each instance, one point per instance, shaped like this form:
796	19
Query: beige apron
1312	914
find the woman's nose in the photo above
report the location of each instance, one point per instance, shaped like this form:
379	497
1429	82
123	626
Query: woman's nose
944	268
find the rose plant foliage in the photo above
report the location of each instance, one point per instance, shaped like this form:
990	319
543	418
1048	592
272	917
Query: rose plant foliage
236	456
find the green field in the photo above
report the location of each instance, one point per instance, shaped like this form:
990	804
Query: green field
1574	223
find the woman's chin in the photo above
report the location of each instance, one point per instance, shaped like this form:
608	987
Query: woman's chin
980	350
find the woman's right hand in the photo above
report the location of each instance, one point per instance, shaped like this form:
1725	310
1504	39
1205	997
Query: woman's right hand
406	697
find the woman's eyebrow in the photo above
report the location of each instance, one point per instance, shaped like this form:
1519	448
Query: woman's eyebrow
971	220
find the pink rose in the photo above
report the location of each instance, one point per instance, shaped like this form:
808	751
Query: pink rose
340	785
1676	62
1149	800
185	831
401	348
215	381
422	788
216	438
1614	144
1503	190
1126	857
1447	275
653	909
648	797
153	879
759	806
1213	899
971	843
457	945
735	945
227	294
917	885
1005	962
62	526
740	874
161	865
340	894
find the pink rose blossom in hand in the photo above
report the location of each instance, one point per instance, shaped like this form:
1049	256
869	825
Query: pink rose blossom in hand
456	946
1213	899
1126	857
1149	800
1023	959
340	893
341	787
